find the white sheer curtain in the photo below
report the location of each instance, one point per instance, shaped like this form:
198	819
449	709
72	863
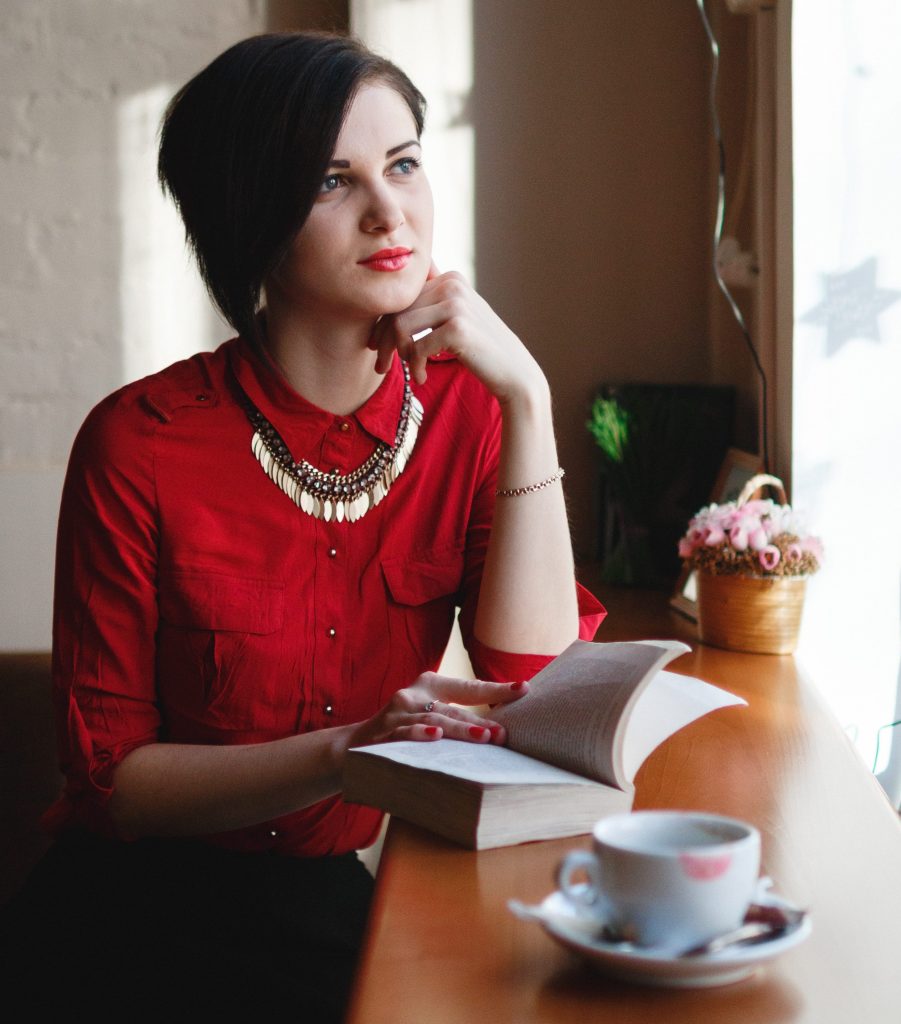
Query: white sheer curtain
846	82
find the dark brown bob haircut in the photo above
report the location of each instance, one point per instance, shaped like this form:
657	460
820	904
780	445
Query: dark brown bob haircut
245	146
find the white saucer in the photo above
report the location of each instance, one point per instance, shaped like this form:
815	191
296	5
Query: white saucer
579	933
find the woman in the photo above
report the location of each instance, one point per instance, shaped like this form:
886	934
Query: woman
261	548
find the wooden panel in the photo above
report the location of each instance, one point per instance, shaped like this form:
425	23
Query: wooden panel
29	775
443	947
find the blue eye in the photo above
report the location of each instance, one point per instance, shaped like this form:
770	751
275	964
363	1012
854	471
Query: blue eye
407	165
331	183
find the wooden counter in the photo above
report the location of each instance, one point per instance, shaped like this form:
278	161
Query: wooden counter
443	948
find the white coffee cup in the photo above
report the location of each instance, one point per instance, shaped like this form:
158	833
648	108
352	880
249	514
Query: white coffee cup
668	879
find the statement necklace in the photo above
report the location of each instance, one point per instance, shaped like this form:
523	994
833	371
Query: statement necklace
333	496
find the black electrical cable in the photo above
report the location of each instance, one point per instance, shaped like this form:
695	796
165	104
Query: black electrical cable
718	231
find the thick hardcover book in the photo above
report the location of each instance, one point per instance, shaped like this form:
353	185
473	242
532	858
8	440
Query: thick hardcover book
575	742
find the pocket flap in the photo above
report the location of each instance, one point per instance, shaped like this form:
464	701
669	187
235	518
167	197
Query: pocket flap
418	580
200	600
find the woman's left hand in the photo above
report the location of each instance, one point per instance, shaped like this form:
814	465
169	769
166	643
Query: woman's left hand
461	322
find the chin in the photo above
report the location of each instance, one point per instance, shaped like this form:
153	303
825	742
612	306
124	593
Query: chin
399	297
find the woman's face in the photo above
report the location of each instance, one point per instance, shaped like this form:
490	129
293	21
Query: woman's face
365	248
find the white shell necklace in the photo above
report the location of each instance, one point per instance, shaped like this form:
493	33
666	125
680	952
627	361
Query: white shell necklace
334	496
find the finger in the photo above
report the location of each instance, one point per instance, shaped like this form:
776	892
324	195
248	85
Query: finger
385	344
387	336
417	339
435	287
418	358
441	712
474	729
470	692
419	731
419	353
372	343
415	320
473	732
398	330
463	718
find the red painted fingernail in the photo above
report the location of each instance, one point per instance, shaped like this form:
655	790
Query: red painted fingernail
495	731
431	730
516	687
477	731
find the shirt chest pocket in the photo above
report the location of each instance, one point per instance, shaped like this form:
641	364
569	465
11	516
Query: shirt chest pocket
220	651
210	601
422	594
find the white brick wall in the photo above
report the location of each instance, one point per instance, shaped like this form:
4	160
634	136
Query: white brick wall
94	285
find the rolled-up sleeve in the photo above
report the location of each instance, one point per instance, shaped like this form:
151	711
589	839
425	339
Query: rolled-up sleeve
504	666
105	610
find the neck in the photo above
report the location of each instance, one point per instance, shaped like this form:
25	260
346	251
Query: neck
328	362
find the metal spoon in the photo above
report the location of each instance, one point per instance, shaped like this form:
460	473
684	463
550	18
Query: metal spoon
744	935
776	922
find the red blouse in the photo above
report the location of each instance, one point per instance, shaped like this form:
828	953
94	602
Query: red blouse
195	603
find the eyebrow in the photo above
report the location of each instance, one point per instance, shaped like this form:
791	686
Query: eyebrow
389	153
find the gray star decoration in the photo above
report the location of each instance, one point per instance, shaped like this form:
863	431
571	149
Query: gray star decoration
851	306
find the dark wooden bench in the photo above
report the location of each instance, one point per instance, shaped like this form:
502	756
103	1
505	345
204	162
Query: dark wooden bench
29	772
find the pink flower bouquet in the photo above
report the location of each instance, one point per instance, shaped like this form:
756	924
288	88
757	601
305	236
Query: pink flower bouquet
750	538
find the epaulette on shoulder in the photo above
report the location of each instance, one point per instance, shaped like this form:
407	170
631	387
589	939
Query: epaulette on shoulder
186	384
164	404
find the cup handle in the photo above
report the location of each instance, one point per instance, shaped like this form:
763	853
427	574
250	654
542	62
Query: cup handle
580	895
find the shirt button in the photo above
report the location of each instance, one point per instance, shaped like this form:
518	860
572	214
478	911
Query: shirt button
332	552
345	426
328	709
331	632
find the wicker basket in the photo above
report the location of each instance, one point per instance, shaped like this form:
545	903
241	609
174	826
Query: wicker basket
759	614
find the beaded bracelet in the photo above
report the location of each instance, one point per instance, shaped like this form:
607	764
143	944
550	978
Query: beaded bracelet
515	492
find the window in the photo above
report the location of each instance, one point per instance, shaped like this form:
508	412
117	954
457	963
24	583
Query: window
846	85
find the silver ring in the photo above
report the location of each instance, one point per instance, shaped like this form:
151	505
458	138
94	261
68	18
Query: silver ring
430	706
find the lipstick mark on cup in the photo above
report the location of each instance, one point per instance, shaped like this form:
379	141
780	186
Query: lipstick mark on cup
704	869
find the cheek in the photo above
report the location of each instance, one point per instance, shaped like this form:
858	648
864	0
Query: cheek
321	236
426	213
311	251
307	261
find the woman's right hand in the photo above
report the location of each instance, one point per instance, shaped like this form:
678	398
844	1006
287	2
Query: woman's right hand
459	321
405	717
178	789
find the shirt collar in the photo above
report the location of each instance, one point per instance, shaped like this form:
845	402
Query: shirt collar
292	415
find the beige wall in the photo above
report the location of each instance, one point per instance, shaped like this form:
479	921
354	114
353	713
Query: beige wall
302	15
594	200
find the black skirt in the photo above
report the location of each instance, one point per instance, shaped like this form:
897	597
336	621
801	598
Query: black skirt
183	928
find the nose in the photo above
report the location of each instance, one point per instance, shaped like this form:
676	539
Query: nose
383	212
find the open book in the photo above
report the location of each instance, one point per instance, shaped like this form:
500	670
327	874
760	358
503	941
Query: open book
574	744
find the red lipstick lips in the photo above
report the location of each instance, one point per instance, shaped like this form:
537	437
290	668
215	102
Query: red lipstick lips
387	260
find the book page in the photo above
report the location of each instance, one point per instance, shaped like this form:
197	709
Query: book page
667	704
479	762
572	714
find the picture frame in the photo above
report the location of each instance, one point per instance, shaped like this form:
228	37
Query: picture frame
737	469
